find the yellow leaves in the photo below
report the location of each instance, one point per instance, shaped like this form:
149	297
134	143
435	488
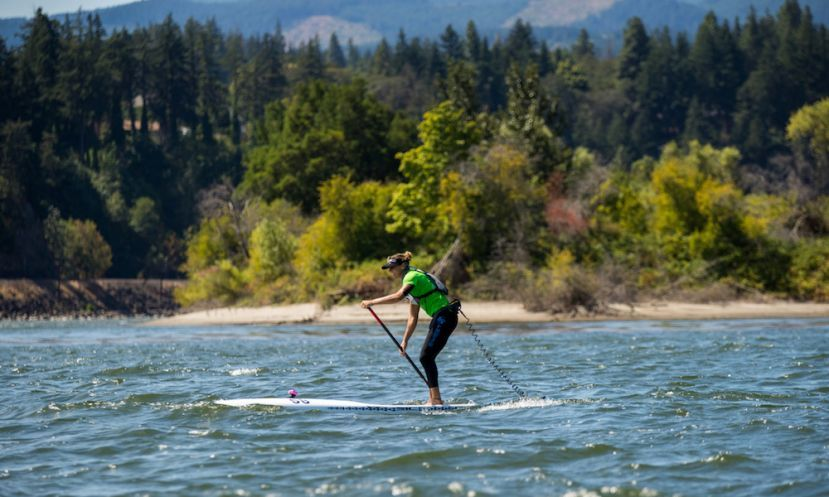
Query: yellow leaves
811	124
717	200
763	214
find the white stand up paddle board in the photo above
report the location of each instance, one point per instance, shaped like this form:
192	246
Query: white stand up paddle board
338	405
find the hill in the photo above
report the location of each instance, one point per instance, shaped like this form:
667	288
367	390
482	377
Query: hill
366	21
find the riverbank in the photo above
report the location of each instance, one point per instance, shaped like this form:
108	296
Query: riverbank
45	299
495	312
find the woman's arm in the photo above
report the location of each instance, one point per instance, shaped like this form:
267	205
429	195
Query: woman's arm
388	299
411	324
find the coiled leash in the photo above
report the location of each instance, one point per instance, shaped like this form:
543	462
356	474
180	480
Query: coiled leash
490	358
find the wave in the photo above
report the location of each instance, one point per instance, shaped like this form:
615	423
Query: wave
530	403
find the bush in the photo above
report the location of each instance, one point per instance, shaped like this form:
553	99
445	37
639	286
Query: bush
809	270
223	283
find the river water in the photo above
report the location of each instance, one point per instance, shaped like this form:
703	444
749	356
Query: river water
108	408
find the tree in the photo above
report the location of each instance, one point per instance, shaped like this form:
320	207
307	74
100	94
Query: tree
382	60
520	44
460	87
451	44
473	43
635	49
583	46
323	130
271	251
715	61
446	135
335	54
808	131
78	249
37	73
169	100
144	219
533	117
310	64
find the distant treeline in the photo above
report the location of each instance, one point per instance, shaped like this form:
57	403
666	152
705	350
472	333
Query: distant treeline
241	162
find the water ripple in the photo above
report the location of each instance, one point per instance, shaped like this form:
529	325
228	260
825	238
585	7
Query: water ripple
738	408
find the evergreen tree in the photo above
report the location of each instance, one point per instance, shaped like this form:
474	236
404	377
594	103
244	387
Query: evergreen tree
210	93
520	44
544	62
170	102
715	61
451	44
353	55
401	51
8	102
473	42
460	87
336	57
583	46
37	73
634	49
310	63
382	60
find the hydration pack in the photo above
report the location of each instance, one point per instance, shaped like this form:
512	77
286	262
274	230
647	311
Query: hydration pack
438	286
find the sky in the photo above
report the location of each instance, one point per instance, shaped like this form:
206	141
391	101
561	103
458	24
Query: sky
26	8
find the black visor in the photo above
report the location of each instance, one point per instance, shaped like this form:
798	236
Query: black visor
393	262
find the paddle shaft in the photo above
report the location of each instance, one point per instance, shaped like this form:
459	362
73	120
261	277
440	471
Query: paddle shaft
398	345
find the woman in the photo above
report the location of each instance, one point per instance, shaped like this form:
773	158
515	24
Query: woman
421	290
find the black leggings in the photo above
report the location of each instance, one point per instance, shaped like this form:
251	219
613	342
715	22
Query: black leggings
442	325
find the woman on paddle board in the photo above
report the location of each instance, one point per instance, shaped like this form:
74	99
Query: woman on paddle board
422	290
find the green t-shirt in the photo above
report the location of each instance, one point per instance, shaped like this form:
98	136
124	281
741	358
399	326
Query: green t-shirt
421	285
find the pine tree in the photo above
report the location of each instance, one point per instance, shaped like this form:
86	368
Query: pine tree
170	102
634	49
210	93
460	87
310	63
520	44
335	54
353	55
473	42
37	73
583	46
451	44
715	61
544	62
382	60
8	101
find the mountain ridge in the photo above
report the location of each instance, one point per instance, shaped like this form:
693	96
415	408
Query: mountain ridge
557	21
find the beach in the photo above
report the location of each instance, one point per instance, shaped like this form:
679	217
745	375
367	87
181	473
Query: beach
495	312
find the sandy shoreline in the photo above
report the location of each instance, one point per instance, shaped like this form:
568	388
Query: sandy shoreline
493	312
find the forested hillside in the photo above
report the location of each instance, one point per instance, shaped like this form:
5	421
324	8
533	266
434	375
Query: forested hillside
367	21
563	176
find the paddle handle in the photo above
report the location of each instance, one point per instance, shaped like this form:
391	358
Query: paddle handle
399	347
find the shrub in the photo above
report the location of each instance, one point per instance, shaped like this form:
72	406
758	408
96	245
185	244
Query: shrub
809	271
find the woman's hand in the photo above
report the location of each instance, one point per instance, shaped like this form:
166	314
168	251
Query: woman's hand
403	345
365	304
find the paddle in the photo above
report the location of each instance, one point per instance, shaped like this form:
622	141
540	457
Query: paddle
398	345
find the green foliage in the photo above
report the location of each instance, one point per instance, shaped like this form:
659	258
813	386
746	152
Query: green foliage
810	270
350	228
687	220
271	251
808	130
323	130
222	283
143	217
126	129
494	200
446	135
87	254
78	249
